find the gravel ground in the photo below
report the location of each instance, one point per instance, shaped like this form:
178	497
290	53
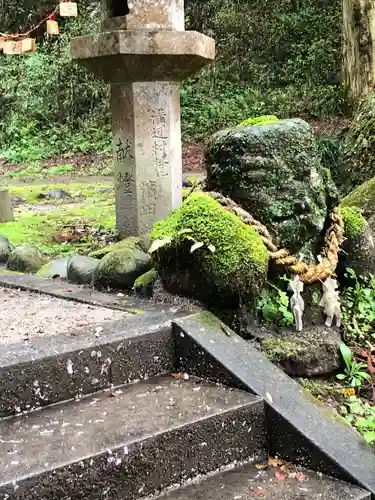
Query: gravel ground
24	315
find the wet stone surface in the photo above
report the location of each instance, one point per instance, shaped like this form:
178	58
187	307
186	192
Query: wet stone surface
249	483
143	437
24	315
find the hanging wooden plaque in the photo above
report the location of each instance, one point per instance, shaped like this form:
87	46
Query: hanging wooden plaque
52	27
12	47
68	9
28	45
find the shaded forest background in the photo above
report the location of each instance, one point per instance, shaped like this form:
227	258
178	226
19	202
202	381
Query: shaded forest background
278	57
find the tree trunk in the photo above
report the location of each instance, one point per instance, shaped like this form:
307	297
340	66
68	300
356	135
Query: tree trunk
6	210
358	49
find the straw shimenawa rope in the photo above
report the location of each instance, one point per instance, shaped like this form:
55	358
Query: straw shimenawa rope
308	273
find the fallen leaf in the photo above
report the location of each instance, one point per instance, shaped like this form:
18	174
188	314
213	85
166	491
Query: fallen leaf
180	376
301	477
275	462
260	466
258	491
280	476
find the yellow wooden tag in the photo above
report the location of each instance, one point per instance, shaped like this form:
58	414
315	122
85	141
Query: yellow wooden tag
349	391
68	9
28	45
52	27
12	48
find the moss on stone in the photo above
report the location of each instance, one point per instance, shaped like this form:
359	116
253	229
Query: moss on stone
236	244
131	242
359	146
363	197
278	349
144	284
353	220
238	259
259	120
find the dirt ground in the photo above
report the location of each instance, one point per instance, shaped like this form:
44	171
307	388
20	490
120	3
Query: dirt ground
24	315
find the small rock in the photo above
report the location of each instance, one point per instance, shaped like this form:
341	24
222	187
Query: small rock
54	194
119	269
17	200
313	352
131	242
26	258
186	183
55	268
81	269
5	249
103	189
144	285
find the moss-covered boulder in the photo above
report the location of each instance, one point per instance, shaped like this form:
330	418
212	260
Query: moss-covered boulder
5	249
363	197
203	251
358	249
120	268
131	242
26	258
358	147
80	269
55	268
273	170
314	353
144	285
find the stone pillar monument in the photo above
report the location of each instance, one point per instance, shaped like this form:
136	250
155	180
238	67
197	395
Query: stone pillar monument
143	52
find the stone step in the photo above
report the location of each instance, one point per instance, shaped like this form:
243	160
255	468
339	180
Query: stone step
248	482
145	437
51	369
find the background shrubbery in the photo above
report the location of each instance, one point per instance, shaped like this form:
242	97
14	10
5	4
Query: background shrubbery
274	57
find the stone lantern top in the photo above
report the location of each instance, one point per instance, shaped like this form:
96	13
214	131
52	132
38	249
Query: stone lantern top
144	15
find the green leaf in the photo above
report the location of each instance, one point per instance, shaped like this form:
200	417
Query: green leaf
346	354
341	376
197	244
159	243
369	436
184	231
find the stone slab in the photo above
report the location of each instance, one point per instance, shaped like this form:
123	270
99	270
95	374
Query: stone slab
78	293
136	56
298	430
247	483
24	315
48	370
149	436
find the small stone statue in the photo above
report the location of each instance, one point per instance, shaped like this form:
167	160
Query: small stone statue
331	302
296	302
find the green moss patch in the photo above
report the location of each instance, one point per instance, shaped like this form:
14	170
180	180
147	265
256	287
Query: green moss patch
259	120
96	210
353	220
362	197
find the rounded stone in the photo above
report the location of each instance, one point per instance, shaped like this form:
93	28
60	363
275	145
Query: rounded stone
5	249
273	171
119	269
26	258
144	285
313	352
205	252
80	269
56	268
